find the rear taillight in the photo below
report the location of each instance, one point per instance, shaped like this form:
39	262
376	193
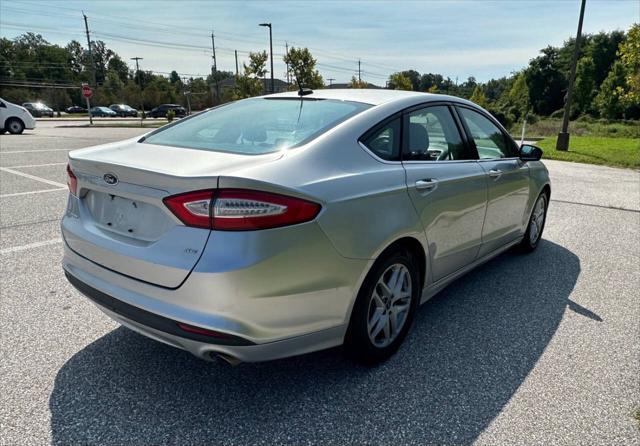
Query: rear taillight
240	209
192	208
72	181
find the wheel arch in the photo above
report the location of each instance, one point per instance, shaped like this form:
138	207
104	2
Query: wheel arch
415	249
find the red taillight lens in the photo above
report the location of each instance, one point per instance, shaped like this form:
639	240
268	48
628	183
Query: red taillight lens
192	208
202	331
72	181
240	209
246	210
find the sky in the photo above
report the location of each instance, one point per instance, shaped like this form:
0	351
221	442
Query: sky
458	39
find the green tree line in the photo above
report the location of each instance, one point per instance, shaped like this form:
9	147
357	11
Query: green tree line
607	83
607	79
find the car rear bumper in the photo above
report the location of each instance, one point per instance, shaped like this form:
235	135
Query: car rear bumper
293	300
231	348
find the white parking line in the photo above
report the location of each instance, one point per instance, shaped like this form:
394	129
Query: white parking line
17	194
34	151
30	246
37	165
33	177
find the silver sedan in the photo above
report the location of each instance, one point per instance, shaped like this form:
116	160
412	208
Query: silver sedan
289	223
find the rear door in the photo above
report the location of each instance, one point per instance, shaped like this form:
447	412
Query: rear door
447	186
507	179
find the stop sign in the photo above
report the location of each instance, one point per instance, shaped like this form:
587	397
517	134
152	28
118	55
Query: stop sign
86	91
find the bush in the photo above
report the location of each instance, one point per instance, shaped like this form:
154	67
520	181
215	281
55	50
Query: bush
170	115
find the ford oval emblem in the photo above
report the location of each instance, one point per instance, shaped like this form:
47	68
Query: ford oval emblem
110	178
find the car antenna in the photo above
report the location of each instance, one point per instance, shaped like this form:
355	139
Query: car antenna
302	91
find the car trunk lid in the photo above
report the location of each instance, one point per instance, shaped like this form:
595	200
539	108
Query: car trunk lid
120	221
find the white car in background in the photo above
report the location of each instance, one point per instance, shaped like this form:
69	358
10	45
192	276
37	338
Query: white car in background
14	118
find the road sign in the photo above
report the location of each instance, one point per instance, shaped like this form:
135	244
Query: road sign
87	92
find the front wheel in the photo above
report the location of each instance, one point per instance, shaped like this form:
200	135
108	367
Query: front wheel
384	308
536	224
15	126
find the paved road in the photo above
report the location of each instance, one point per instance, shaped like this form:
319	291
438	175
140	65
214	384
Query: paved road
537	349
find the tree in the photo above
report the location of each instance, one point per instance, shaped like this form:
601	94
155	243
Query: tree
119	67
257	64
174	77
479	97
113	87
602	48
355	83
398	81
414	78
546	82
584	86
302	66
608	101
630	59
518	96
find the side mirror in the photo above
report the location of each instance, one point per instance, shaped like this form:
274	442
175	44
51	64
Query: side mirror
530	153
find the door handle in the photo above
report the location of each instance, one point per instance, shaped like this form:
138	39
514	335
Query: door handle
495	173
427	184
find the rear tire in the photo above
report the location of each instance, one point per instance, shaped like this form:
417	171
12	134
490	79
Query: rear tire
15	126
533	234
384	309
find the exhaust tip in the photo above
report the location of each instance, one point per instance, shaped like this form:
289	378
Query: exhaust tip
230	360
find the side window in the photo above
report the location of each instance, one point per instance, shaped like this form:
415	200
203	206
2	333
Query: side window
384	140
432	135
488	138
2	105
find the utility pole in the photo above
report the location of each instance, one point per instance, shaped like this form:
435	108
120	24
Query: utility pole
236	52
139	86
563	137
93	66
214	72
286	53
268	25
331	79
359	72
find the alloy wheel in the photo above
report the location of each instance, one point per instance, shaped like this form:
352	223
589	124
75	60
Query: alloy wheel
389	305
537	219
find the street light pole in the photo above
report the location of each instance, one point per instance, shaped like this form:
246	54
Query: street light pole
271	53
563	137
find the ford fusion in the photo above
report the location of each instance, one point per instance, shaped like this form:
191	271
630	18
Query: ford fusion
289	223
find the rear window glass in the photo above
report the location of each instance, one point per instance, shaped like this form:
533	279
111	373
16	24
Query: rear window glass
257	126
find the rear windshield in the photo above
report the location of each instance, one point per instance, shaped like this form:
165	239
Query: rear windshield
257	126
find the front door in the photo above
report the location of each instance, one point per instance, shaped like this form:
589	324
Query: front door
447	187
507	180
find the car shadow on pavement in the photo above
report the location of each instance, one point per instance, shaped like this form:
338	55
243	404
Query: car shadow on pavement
469	350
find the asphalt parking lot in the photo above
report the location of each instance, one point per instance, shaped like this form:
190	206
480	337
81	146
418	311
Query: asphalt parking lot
528	349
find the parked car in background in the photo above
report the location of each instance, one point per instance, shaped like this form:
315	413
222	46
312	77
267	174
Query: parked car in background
14	118
75	109
161	111
102	112
124	110
38	109
275	226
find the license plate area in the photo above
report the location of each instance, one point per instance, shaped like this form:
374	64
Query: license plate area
125	216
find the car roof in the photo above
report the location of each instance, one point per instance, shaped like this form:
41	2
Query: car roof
371	96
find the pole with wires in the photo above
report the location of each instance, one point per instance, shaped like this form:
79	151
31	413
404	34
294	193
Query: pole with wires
236	53
93	66
359	72
214	67
142	116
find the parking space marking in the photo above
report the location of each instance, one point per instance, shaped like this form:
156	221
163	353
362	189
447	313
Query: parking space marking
37	165
42	191
35	151
33	177
30	246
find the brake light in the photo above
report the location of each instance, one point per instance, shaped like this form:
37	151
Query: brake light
240	209
72	181
192	208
